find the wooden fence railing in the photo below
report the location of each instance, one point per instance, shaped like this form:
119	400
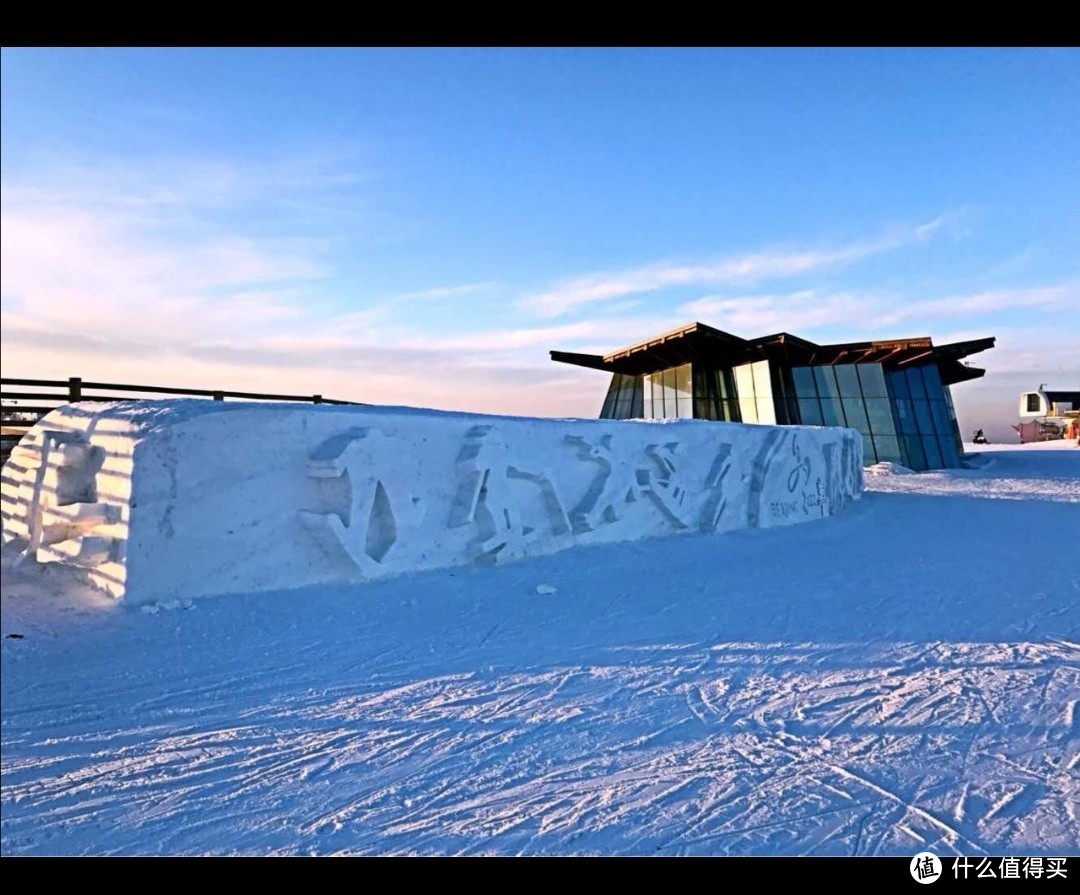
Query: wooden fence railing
75	389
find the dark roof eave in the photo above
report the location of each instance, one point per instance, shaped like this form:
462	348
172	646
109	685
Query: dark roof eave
953	372
699	343
958	350
592	361
699	330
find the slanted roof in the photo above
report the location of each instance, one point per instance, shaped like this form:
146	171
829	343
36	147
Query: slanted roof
1058	397
701	344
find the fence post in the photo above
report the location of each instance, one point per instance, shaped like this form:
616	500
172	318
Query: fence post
75	388
219	396
316	399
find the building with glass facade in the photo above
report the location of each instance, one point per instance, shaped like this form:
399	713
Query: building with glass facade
896	393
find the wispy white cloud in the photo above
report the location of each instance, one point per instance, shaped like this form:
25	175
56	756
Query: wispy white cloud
502	340
1060	295
743	269
439	293
188	185
810	309
758	314
954	221
90	273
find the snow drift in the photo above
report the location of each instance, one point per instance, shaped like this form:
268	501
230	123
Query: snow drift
165	500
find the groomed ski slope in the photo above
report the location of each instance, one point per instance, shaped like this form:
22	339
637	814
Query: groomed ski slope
902	677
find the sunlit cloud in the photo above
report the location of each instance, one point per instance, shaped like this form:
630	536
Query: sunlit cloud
759	314
499	340
812	309
742	269
1062	295
75	271
439	293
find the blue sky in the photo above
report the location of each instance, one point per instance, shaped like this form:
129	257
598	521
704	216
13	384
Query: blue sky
421	226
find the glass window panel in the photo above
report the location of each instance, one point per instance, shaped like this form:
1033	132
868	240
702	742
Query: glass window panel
669	382
766	410
704	409
905	417
856	414
762	378
654	395
897	384
700	377
810	412
744	387
933	453
879	414
942	422
868	451
932	381
826	382
744	381
607	412
915	383
847	379
803	377
922	415
684	384
726	389
664	394
949	403
626	397
888	449
872	380
832	414
790	407
950	458
913	452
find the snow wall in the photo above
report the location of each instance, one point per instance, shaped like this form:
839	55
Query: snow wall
159	501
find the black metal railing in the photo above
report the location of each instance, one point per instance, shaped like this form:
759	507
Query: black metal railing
48	394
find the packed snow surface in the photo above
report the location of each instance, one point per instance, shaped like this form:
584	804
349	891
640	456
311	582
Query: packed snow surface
901	677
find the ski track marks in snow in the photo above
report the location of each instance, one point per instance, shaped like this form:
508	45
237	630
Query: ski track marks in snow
744	752
901	686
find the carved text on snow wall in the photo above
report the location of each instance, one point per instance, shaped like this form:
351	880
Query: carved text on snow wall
499	504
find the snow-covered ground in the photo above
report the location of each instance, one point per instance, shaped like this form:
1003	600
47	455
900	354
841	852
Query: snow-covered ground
902	677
